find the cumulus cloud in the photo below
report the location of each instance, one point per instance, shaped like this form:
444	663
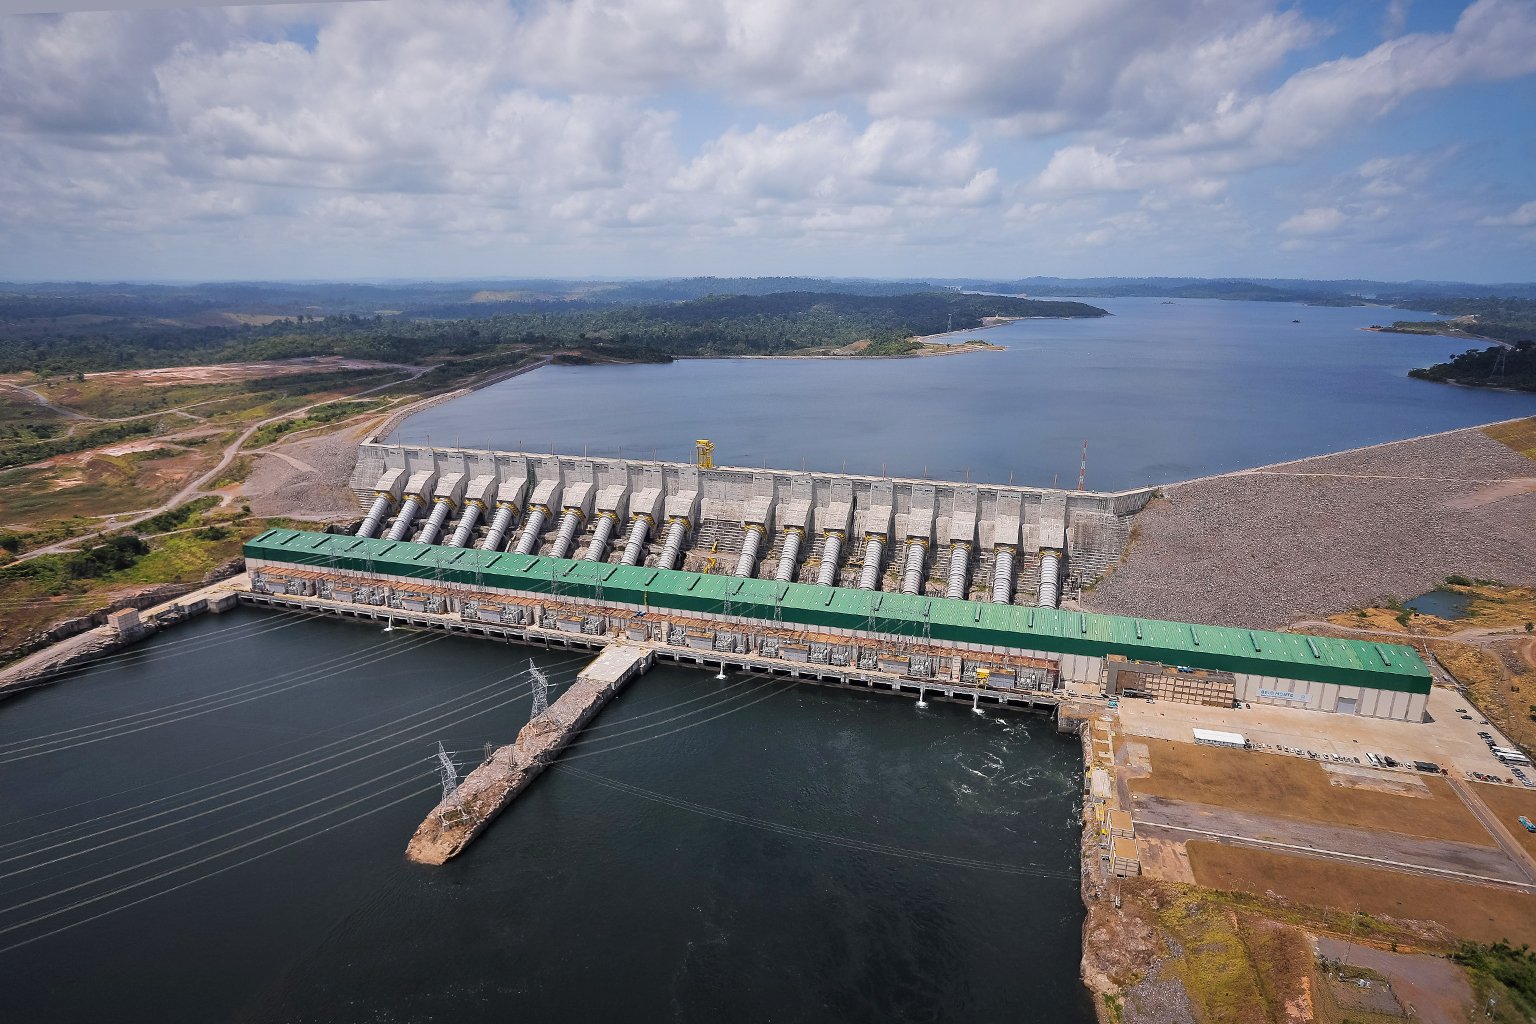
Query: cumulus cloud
825	158
1493	40
1320	220
596	125
1523	216
1034	66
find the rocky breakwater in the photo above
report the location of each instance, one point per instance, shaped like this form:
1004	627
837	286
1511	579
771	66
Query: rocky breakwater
454	822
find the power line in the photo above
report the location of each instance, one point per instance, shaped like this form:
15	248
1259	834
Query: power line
222	795
218	871
297	678
132	789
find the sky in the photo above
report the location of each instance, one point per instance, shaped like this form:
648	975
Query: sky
423	139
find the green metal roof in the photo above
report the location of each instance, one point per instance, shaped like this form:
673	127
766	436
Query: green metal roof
1257	652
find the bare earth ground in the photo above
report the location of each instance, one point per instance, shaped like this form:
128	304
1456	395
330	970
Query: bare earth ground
306	478
1263	547
1434	988
1509	803
1276	785
1482	913
221	372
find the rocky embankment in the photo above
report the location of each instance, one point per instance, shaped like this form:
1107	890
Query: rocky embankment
90	637
466	812
1264	547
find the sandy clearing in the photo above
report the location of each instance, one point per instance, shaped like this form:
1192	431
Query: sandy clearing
130	447
225	372
1278	786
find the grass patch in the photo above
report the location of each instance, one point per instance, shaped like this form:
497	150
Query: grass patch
54	573
181	558
15	542
1369	903
176	518
1216	969
1500	680
48	589
1519	435
236	472
22	454
321	415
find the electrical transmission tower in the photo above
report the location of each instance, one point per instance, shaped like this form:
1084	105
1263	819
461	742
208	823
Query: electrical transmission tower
540	691
447	770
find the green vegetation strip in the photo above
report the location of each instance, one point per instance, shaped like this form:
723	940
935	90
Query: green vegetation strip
20	455
316	417
1512	969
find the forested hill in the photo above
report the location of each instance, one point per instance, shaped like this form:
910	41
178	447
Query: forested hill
769	324
1436	296
440	299
1498	367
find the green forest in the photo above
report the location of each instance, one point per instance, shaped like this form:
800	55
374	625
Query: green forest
1501	318
1496	367
726	325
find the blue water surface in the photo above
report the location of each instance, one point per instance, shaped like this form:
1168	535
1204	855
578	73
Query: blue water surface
1160	391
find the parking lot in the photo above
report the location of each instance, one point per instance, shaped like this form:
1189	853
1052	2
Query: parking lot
1448	739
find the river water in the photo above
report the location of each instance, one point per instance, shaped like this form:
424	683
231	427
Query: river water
211	827
1160	391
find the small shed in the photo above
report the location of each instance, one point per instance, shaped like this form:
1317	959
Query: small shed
1124	859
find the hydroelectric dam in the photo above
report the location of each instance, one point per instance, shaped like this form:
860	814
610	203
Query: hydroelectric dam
931	589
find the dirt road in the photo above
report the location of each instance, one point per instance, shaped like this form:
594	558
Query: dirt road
196	487
1490	821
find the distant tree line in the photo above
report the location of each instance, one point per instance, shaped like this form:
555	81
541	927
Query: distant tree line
713	326
1496	367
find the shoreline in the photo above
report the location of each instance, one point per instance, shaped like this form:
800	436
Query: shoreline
1452	333
988	323
939	350
1348	451
1001	322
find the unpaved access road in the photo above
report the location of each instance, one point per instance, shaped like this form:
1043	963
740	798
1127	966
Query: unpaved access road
196	486
1495	827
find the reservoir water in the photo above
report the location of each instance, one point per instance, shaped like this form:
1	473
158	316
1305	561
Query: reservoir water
211	827
1161	392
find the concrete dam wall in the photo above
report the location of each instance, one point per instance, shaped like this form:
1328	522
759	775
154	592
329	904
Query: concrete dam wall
999	543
